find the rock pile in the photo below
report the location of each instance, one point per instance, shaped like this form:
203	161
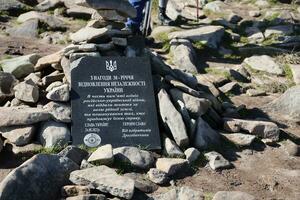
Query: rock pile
35	112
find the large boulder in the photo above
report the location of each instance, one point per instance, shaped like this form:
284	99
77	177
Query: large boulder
20	66
41	177
208	35
264	63
138	158
7	83
105	180
28	29
287	104
122	6
22	116
172	119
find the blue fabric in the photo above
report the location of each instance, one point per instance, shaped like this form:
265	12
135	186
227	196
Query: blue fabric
139	6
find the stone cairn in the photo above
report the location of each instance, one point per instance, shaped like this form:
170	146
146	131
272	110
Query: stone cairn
34	92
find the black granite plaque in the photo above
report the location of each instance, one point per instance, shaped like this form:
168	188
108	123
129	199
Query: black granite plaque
113	102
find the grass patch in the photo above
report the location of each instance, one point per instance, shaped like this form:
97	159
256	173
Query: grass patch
208	196
288	72
88	149
52	150
218	72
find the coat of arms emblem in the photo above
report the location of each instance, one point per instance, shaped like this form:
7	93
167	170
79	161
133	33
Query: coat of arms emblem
111	65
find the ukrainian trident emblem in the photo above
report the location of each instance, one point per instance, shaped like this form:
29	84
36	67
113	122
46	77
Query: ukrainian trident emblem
111	65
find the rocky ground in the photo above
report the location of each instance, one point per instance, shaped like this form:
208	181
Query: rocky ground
227	91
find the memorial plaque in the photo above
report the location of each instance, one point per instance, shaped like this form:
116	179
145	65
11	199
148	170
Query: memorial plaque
113	102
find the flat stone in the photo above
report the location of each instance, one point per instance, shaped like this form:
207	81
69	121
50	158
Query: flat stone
215	6
171	166
172	118
12	6
7	83
262	129
196	106
291	148
296	73
287	105
75	56
157	176
192	154
208	35
217	161
48	60
60	93
39	169
88	197
121	6
65	64
183	193
279	30
22	116
171	149
79	11
60	112
264	63
233	87
34	78
53	77
103	155
255	93
75	190
136	157
205	136
19	135
74	153
88	34
24	150
28	29
27	91
20	66
90	47
142	183
240	139
54	134
48	4
119	41
105	180
233	195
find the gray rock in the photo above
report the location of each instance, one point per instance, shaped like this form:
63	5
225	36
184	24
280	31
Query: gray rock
34	78
205	136
22	116
196	106
183	56
183	193
51	21
264	63
27	91
51	172
75	190
104	179
217	161
254	13
233	195
79	11
192	154
60	112
136	157
296	73
54	134
291	148
12	6
171	166
48	4
88	34
172	119
279	30
232	87
262	129
215	6
74	153
32	148
240	139
28	29
103	155
142	183
157	176
255	92
65	64
287	104
121	6
19	135
209	35
171	149
53	77
254	35
60	93
7	83
75	56
20	66
88	197
48	60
